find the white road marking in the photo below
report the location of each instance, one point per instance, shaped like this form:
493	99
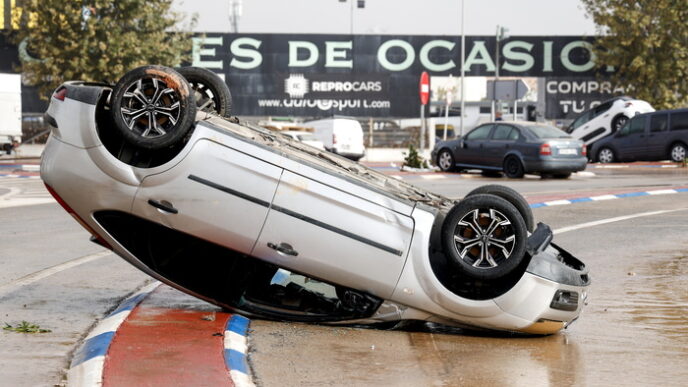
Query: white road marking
557	203
603	197
662	192
41	274
612	220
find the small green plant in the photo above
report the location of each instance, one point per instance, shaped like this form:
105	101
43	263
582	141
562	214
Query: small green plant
414	159
25	327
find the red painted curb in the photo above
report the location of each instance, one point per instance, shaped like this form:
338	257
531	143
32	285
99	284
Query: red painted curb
160	346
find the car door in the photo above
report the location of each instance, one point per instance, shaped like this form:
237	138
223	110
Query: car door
501	141
658	132
325	232
471	149
215	193
631	144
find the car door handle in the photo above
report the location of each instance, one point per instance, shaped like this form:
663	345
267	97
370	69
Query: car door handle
163	205
284	248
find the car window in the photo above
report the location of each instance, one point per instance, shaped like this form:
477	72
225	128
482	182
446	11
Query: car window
637	125
658	122
504	132
625	130
599	109
545	131
679	121
581	120
479	133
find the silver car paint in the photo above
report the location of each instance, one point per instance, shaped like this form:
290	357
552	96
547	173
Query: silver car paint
81	170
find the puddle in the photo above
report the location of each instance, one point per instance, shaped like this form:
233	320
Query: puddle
657	297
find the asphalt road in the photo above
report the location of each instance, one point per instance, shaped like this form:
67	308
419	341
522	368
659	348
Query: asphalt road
633	332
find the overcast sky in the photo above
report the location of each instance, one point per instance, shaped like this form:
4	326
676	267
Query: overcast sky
398	17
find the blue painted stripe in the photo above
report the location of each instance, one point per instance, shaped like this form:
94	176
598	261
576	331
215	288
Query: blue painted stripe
129	304
580	200
631	194
93	347
238	324
681	189
236	361
538	205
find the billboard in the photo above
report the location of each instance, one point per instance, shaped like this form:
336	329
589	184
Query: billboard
567	97
366	75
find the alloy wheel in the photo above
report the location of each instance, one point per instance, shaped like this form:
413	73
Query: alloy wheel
150	108
606	156
484	238
445	161
678	153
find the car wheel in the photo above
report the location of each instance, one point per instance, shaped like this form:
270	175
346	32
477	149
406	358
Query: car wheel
605	155
484	236
618	123
153	107
678	152
561	175
513	197
445	160
210	91
513	167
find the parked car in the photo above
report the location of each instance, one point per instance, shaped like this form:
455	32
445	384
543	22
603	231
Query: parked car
660	135
343	136
265	226
305	137
606	118
515	148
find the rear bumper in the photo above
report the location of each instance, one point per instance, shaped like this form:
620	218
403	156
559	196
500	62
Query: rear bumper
553	166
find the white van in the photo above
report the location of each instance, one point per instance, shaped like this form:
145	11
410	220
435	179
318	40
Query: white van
343	136
10	111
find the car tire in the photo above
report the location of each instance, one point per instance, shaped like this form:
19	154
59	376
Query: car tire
153	107
618	122
445	160
478	247
513	168
210	91
606	155
512	196
678	152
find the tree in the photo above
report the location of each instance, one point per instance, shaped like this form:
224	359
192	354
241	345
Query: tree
97	40
646	43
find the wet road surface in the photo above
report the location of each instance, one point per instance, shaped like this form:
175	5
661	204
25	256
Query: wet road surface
633	332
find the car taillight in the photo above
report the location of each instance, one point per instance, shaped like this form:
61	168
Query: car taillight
628	104
584	150
76	217
334	138
60	94
545	149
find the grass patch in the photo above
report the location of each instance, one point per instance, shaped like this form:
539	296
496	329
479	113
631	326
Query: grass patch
25	327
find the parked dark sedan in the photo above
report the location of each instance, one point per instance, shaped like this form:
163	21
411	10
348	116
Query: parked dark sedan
515	148
658	135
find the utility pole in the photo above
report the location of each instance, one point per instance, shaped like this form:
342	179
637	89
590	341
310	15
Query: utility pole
235	10
499	36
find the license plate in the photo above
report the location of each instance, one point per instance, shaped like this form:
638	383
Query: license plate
568	151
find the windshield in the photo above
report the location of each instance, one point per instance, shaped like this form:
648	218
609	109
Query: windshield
545	131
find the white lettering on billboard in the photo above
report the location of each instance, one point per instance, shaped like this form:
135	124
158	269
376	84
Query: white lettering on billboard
295	46
406	46
425	51
238	50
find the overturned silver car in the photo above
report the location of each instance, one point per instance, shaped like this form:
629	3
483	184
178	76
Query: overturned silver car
158	171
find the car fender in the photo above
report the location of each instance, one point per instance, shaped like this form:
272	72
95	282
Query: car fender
517	153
